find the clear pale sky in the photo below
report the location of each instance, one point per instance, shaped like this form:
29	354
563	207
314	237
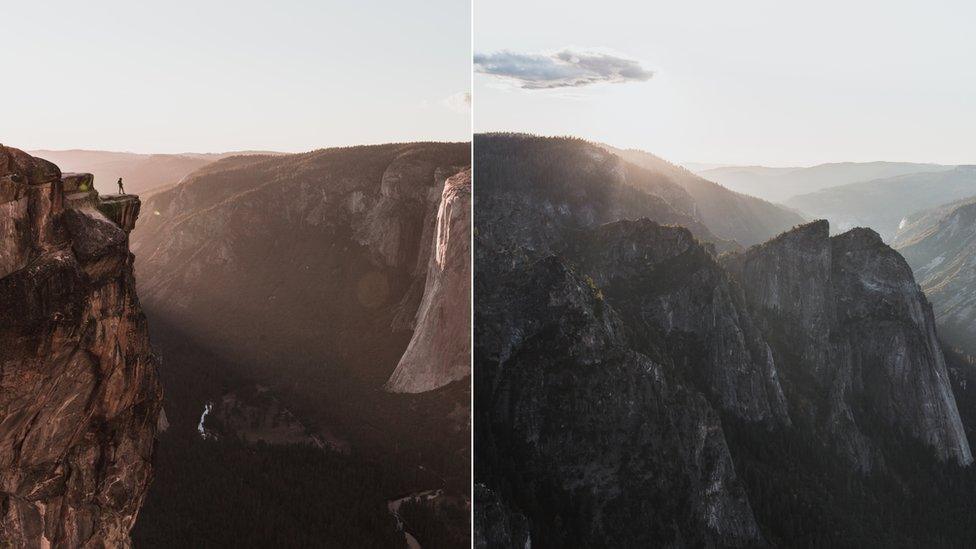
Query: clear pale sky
212	76
747	82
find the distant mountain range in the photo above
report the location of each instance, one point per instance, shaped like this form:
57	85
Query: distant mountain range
780	184
140	172
882	204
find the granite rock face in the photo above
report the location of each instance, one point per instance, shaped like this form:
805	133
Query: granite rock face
123	210
79	396
440	350
30	195
849	320
675	296
598	444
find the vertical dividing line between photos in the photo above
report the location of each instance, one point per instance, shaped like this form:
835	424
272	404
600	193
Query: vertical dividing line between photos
471	254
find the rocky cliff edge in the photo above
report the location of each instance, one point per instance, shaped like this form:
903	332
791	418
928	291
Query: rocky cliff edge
79	394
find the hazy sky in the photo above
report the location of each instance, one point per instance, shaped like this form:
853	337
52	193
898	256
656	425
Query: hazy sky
769	82
211	76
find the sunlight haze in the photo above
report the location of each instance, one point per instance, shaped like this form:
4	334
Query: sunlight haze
218	76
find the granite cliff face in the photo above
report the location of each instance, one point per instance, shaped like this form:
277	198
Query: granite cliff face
849	319
79	396
680	303
627	377
440	350
596	443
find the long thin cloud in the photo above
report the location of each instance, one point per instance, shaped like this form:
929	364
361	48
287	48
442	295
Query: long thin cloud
562	69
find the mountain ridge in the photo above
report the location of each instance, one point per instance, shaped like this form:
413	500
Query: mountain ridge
883	204
730	214
780	184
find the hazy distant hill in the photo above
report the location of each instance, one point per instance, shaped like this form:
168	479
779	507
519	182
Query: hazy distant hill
696	167
140	172
728	214
882	204
940	245
780	184
752	180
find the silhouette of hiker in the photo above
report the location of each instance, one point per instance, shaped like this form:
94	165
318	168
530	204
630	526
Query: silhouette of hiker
121	190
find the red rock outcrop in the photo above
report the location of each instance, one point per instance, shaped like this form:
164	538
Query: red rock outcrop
79	395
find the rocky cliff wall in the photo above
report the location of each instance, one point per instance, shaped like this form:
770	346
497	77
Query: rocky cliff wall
851	323
440	349
79	396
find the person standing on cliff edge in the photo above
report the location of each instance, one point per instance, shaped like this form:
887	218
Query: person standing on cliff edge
121	190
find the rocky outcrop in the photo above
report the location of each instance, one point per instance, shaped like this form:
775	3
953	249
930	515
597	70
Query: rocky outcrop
123	210
255	414
847	320
30	197
678	301
440	350
79	396
598	444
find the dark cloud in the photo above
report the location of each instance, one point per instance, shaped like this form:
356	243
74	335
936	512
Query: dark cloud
563	69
